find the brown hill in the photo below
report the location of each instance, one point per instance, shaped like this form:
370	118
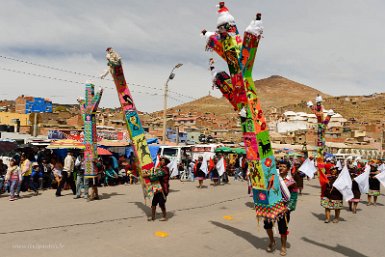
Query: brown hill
271	91
277	91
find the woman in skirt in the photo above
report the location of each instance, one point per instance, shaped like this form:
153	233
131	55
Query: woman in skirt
354	172
374	186
198	173
332	198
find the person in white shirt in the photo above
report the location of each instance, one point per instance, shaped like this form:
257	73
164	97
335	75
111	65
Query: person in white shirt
68	171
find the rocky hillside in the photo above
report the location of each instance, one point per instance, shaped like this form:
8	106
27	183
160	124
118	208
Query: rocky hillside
275	91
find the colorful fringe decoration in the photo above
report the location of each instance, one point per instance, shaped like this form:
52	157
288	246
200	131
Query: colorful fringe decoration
239	89
134	126
88	107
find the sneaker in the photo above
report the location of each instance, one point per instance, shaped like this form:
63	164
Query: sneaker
77	197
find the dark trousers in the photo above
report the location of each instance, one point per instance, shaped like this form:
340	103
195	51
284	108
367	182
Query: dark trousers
71	181
26	182
283	223
62	182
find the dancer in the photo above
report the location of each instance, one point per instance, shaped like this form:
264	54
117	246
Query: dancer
198	173
160	197
297	176
374	185
353	203
290	194
332	198
214	172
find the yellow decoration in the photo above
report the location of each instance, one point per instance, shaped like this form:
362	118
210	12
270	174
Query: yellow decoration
161	234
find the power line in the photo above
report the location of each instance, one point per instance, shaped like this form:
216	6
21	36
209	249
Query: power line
86	75
76	82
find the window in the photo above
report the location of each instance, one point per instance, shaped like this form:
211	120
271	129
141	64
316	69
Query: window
170	152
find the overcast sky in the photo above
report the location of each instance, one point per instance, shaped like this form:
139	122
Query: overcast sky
334	46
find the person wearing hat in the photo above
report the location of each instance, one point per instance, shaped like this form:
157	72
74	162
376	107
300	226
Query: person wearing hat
37	175
331	198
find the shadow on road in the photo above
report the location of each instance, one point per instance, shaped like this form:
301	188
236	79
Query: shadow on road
109	195
366	202
250	205
147	210
258	243
339	248
321	216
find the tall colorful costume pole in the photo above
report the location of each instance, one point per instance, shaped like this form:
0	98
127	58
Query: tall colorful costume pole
239	89
134	126
88	107
322	123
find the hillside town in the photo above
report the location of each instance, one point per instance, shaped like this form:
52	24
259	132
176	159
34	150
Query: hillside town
292	126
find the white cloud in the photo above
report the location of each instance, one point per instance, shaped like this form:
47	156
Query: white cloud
334	46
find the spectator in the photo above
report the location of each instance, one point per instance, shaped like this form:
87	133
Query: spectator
80	180
3	171
13	176
68	171
26	171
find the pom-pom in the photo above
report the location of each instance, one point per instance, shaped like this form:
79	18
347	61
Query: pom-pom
331	112
255	28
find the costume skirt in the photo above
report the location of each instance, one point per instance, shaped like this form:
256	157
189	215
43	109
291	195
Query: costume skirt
374	192
331	204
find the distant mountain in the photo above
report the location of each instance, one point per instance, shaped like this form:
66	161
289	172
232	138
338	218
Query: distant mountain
275	91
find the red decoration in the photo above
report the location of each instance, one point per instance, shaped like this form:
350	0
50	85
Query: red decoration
268	162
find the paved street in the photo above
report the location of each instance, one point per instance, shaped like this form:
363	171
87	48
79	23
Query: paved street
213	221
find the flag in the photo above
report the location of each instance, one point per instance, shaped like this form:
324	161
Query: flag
344	184
363	180
382	167
339	165
221	166
157	163
173	167
308	168
204	166
381	177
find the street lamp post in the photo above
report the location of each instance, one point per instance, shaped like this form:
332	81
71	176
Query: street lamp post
170	77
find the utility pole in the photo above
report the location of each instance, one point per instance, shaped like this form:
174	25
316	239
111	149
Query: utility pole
170	77
177	135
35	124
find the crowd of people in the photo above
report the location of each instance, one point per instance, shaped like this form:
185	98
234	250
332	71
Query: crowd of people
41	170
